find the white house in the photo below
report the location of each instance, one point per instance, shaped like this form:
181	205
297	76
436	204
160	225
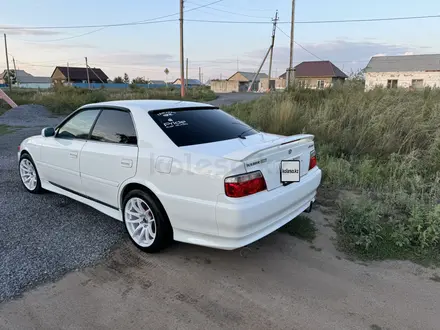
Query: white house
406	71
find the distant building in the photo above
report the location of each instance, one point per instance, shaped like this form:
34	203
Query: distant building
238	82
26	80
157	82
317	74
406	71
191	82
63	74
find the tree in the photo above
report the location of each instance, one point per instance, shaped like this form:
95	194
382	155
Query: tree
12	75
139	80
126	78
118	80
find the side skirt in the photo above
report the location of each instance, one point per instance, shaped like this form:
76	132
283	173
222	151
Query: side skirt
104	208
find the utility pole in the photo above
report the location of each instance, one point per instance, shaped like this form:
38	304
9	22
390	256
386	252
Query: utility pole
291	73
200	74
68	74
15	70
182	65
87	70
275	20
186	81
237	65
259	69
7	64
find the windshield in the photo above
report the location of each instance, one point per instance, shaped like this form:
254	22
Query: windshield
198	126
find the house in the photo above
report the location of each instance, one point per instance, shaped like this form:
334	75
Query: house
191	82
26	80
317	74
238	82
406	71
64	74
245	79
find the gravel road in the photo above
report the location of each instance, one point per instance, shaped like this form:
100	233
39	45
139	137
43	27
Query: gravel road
45	236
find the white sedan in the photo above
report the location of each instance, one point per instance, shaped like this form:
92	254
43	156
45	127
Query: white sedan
174	170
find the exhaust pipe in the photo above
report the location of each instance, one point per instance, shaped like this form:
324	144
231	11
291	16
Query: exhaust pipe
309	209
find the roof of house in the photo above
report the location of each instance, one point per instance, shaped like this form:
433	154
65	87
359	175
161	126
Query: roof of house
190	81
404	63
318	69
26	78
76	73
250	75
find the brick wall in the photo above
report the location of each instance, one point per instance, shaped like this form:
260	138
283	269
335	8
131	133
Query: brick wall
404	79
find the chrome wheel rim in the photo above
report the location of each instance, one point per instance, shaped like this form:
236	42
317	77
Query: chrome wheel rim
28	174
140	221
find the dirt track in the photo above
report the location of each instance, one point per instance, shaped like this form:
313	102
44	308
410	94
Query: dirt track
279	282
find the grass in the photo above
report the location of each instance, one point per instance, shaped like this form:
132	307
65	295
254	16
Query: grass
5	129
63	100
385	146
302	227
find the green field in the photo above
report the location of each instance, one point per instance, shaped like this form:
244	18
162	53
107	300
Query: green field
63	100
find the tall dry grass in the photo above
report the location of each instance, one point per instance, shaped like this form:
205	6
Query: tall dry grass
63	100
384	144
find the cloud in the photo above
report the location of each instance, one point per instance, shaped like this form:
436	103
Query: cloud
58	46
26	32
347	55
137	59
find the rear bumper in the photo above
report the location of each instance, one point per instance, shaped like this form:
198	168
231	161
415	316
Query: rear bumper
245	220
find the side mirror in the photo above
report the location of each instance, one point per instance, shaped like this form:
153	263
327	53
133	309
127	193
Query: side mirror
48	131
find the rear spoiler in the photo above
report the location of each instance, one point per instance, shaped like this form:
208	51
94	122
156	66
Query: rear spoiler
243	154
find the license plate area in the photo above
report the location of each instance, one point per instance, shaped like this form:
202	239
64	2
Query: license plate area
290	171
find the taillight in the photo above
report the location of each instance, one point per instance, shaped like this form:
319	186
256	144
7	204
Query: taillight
245	184
313	162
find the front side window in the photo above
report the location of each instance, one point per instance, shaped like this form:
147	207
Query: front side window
198	126
78	127
114	126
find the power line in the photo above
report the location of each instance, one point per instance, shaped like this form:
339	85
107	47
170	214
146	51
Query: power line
308	51
320	22
67	38
148	21
228	12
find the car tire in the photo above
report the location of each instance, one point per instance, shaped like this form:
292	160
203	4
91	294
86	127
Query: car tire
29	175
146	222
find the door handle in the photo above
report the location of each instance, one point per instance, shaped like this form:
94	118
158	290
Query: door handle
73	154
126	163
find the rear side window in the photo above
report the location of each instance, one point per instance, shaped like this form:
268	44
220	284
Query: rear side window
198	126
114	126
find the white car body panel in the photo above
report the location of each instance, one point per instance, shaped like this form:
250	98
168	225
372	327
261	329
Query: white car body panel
188	181
104	167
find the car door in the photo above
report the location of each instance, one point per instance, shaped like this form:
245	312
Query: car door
109	157
59	162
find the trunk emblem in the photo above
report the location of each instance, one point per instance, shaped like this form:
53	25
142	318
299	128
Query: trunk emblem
290	151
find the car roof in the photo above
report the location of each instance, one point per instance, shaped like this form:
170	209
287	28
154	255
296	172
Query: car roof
148	105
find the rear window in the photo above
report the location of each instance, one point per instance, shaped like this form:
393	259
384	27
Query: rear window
198	126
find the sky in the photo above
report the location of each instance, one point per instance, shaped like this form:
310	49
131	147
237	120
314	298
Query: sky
218	49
